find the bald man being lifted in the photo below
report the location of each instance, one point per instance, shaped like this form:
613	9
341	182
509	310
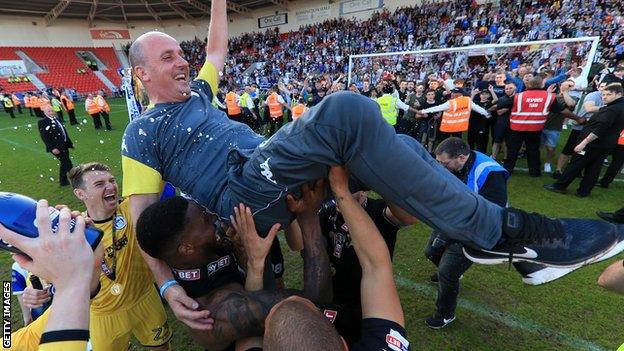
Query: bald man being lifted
221	163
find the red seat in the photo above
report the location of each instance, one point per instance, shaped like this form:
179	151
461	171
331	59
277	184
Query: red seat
62	64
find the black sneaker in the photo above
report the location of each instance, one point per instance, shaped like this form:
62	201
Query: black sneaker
437	321
434	278
565	243
554	188
556	175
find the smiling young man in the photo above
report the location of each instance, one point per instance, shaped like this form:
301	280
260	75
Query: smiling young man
127	304
221	163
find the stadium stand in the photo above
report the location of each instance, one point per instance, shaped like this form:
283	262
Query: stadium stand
62	66
324	48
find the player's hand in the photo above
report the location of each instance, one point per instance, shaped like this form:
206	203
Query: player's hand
579	148
59	258
312	196
256	247
75	214
339	180
187	310
35	298
56	151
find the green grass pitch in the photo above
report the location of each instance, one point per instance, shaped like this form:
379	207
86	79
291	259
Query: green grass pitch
496	311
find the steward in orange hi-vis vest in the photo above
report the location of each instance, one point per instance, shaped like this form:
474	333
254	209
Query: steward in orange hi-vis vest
456	118
298	110
275	107
530	110
231	102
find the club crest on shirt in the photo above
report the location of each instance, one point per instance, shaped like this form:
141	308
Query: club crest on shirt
120	222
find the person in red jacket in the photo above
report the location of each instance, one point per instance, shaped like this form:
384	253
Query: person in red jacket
528	116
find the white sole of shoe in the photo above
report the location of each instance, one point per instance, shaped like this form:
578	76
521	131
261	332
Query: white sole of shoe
437	328
501	260
549	274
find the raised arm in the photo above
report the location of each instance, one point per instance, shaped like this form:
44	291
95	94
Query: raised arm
217	46
317	283
378	290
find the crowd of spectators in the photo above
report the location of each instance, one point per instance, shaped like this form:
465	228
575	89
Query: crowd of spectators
324	48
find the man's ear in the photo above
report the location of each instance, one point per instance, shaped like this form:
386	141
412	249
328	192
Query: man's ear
80	194
141	73
186	249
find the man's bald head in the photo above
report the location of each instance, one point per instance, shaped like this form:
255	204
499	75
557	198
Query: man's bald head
136	53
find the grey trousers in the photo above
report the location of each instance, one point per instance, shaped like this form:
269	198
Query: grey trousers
348	129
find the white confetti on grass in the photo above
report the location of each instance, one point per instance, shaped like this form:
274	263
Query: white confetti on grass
101	141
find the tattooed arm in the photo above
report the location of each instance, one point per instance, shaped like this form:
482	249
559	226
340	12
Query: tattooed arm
317	284
237	314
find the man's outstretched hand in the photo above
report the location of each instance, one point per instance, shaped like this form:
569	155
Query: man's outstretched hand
256	247
312	196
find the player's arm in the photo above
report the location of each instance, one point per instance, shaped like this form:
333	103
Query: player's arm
378	290
256	247
238	314
317	284
399	216
217	46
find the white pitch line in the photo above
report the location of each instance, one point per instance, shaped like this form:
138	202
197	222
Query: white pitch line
510	320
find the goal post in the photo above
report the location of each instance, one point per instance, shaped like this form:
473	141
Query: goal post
581	50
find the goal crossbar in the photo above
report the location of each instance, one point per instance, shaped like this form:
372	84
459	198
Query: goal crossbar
592	52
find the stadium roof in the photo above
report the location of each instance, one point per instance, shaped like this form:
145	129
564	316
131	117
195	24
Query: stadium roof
123	11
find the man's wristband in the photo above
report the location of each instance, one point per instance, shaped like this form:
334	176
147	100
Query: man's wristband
169	283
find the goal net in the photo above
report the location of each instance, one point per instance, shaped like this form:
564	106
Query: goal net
472	62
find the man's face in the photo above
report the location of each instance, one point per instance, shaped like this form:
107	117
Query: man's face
48	111
165	71
434	84
430	96
403	85
420	89
510	89
527	77
366	84
602	86
499	79
410	86
452	164
608	96
199	242
99	191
